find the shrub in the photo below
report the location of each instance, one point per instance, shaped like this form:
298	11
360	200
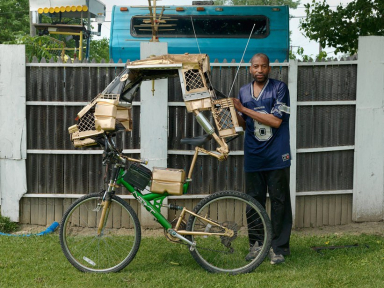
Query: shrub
6	225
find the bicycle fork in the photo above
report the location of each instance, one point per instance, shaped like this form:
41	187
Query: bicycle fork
106	202
106	205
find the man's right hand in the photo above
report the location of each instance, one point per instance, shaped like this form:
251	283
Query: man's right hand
239	107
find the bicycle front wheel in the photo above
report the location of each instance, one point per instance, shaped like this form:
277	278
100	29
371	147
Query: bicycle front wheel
109	251
244	217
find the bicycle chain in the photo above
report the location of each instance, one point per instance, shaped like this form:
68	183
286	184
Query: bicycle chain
182	243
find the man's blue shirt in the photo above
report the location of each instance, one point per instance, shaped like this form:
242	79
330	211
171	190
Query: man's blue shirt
266	148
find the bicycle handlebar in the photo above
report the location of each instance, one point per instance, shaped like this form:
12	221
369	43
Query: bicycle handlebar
112	152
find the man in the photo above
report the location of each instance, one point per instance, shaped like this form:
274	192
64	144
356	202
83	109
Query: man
263	107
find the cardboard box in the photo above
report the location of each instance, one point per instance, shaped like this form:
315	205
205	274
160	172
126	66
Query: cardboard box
105	123
199	104
127	125
112	99
105	109
123	113
167	180
85	134
73	129
84	143
168	174
172	188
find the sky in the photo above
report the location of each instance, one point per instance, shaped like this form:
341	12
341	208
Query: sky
311	48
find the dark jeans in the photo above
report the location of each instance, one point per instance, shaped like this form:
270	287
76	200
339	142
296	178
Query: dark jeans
276	182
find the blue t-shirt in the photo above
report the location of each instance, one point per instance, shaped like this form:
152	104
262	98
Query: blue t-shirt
266	148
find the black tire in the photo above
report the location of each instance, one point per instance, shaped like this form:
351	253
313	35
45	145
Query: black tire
110	252
223	254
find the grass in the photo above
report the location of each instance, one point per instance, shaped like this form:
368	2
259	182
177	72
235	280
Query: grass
39	262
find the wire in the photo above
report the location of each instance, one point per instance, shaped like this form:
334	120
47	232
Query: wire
197	42
194	32
238	68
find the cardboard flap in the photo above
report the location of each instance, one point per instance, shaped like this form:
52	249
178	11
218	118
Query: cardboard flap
168	174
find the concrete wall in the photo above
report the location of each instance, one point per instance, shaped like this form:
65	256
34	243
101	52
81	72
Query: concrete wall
368	190
13	148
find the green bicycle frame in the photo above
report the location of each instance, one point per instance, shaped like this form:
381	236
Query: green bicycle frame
154	209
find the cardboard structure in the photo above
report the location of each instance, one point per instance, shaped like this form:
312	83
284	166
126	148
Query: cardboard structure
111	109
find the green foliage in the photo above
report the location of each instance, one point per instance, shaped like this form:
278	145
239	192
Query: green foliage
341	28
38	46
304	57
14	19
14	23
6	225
291	3
99	49
322	55
292	55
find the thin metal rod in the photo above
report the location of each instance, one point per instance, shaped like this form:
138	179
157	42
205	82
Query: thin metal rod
194	32
238	68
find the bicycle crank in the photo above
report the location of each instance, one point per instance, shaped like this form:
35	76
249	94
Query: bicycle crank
191	244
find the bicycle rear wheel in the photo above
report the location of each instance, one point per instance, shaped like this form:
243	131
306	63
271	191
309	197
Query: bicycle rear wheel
110	251
227	254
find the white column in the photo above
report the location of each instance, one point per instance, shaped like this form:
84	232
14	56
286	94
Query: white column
153	120
368	186
292	86
13	147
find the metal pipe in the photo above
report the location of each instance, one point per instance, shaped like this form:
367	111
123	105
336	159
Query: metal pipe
204	122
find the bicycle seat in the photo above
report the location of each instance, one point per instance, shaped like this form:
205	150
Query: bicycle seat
197	141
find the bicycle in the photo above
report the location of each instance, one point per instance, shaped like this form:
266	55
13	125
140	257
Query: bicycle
101	232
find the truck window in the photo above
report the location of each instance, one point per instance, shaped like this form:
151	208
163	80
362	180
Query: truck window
205	26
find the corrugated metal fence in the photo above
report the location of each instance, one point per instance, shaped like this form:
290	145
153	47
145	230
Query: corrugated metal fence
326	94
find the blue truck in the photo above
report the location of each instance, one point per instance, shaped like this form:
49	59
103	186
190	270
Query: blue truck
222	32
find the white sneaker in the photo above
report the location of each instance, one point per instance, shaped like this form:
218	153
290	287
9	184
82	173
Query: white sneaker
276	258
253	252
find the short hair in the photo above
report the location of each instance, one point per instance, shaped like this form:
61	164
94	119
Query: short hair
262	55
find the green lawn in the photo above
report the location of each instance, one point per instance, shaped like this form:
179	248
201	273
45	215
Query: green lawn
39	262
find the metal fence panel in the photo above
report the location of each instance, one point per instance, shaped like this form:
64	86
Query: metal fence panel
317	126
325	126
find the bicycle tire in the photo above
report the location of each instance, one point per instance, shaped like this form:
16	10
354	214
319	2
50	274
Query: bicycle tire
119	240
223	254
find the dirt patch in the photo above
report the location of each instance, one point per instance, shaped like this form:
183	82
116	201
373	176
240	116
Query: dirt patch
375	228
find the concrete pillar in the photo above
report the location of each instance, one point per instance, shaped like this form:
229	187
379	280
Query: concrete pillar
13	144
368	186
153	121
292	86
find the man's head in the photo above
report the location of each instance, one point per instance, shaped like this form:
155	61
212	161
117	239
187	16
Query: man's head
260	67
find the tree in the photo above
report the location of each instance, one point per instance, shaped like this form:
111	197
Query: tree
342	27
99	49
14	19
39	46
291	3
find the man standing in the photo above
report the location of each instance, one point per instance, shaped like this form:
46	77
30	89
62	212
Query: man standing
263	107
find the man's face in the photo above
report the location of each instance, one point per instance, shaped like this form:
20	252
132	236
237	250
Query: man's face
260	69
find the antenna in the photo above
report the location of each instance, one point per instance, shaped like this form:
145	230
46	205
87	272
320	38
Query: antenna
155	22
194	32
238	68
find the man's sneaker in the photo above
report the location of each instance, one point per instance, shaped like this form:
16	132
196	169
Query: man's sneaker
253	252
275	258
